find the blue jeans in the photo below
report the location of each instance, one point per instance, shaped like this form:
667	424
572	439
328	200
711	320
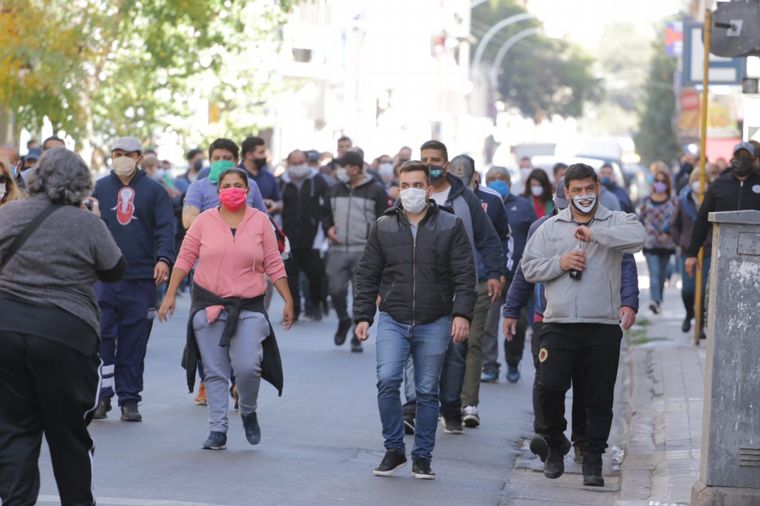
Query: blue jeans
689	285
452	379
427	344
657	264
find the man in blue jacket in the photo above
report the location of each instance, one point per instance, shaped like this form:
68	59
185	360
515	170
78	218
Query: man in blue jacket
521	215
450	192
138	213
518	298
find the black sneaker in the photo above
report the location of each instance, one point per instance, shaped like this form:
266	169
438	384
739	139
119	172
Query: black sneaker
421	469
252	429
554	466
215	441
101	412
129	413
540	447
452	424
340	335
592	470
356	345
686	325
579	450
394	459
654	307
410	413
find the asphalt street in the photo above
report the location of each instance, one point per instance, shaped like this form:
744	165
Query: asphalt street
320	442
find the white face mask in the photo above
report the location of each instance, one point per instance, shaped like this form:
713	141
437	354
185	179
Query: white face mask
386	171
537	191
3	190
584	203
342	175
124	166
298	171
413	199
525	173
695	186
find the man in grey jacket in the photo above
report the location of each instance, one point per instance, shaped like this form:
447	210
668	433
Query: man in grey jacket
357	201
577	255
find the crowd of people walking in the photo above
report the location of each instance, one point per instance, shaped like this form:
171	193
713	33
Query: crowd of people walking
434	251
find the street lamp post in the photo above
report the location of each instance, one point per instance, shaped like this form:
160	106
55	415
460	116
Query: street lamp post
492	32
504	49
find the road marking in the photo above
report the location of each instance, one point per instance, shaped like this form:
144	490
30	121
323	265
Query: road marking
123	501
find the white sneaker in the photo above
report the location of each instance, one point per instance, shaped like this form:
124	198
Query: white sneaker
470	417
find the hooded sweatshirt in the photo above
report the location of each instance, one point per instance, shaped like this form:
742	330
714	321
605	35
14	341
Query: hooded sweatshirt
354	211
140	217
483	237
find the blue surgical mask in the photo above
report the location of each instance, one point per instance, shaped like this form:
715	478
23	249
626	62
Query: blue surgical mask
650	178
436	172
500	186
606	181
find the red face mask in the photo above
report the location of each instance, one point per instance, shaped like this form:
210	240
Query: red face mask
232	198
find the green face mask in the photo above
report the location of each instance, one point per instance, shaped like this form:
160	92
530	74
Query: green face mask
217	168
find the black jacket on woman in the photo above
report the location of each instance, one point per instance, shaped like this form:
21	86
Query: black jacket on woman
418	279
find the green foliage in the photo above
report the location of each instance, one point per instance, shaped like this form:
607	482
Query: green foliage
656	139
540	76
100	68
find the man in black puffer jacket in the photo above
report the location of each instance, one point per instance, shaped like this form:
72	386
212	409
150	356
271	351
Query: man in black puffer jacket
419	261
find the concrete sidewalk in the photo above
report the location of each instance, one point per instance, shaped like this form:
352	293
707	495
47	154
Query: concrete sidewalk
654	447
664	410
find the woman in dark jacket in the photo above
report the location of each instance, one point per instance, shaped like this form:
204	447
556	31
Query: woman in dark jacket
49	330
687	208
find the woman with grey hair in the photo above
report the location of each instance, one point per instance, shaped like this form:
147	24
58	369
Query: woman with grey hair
52	250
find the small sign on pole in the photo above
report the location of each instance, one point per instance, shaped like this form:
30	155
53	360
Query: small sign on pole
722	71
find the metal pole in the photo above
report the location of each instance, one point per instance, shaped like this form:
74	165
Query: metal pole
492	32
504	49
702	168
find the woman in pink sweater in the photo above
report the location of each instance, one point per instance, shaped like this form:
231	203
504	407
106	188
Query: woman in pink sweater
235	247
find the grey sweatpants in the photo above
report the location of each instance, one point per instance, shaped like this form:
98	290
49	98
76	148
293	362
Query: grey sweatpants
340	270
244	354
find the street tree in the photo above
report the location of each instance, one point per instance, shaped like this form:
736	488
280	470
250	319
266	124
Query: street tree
656	138
100	68
540	76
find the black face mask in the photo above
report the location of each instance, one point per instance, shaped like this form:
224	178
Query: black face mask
742	166
198	165
260	163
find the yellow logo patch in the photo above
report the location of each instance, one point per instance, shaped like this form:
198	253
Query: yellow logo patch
543	354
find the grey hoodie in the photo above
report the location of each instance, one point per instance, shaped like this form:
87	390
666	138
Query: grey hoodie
595	298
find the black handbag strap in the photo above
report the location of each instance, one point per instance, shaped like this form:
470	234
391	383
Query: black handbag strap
20	239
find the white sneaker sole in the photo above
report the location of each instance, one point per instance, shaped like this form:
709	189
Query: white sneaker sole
388	473
421	476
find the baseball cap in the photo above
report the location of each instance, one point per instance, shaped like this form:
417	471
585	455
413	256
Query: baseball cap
559	197
312	155
33	154
351	158
128	144
747	146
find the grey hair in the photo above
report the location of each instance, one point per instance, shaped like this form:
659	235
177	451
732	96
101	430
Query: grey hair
62	175
498	171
